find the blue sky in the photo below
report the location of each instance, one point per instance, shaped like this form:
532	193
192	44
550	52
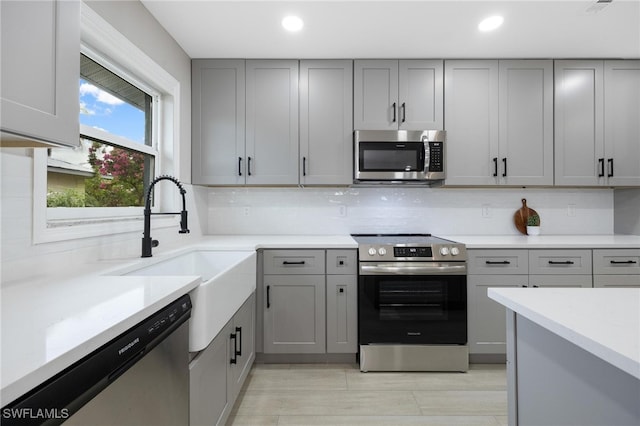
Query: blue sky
104	111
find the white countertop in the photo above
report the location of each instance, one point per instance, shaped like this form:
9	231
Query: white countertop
546	241
602	321
47	326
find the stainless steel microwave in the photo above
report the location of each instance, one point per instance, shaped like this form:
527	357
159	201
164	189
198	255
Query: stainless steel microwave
402	156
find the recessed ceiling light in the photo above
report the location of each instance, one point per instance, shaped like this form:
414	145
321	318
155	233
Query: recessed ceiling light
292	23
490	23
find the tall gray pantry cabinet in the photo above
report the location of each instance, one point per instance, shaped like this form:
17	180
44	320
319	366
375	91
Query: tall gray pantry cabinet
597	125
499	122
245	122
42	38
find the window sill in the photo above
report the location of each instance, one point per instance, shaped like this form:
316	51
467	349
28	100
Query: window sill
65	230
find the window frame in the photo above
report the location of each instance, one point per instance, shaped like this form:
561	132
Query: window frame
105	45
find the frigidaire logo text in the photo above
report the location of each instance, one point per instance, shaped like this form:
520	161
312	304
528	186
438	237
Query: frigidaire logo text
129	346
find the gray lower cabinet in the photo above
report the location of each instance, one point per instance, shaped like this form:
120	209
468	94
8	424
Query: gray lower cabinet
514	268
486	317
326	122
597	104
499	122
616	268
217	373
43	38
294	314
309	301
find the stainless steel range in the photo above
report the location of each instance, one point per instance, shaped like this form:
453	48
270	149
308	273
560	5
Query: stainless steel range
412	303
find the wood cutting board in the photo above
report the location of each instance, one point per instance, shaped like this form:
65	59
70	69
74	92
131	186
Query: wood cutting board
521	216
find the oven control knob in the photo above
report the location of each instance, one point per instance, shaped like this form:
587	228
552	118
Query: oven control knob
444	251
382	251
372	251
455	251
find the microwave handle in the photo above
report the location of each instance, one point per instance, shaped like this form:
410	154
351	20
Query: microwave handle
427	154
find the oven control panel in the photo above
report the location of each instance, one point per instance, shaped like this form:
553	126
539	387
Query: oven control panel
434	252
412	252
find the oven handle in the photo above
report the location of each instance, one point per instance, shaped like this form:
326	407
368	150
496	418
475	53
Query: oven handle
415	268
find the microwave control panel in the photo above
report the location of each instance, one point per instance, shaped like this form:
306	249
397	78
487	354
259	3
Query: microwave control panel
436	156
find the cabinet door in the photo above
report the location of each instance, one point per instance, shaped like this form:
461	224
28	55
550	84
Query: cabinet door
40	72
294	314
486	318
342	314
218	156
209	380
420	92
526	122
471	122
326	122
611	281
579	137
561	281
272	122
621	122
560	262
375	95
244	330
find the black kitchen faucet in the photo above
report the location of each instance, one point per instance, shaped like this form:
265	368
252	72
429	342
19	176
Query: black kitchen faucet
147	242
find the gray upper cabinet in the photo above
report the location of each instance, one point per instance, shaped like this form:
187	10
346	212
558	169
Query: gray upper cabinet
218	122
40	40
499	122
326	122
392	95
597	135
272	122
622	122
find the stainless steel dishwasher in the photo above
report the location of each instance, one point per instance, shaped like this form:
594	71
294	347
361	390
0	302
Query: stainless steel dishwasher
139	378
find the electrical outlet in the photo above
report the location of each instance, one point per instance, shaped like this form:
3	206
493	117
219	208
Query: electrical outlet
247	211
342	210
571	210
486	210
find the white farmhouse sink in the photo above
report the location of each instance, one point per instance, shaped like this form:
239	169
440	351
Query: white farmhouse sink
228	279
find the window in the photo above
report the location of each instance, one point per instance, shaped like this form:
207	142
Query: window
114	163
129	127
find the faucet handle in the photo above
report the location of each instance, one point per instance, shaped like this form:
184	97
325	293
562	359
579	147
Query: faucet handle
155	243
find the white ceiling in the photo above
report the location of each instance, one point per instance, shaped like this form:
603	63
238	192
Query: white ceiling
401	29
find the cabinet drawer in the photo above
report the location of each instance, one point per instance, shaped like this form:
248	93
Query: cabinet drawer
560	262
298	262
342	262
498	262
616	261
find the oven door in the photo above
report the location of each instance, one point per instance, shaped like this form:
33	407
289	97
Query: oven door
413	308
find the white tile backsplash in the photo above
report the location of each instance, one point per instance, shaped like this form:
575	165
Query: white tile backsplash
398	209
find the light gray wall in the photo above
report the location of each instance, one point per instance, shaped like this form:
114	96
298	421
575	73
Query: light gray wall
626	205
135	22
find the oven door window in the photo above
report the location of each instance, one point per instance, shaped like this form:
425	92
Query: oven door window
412	309
391	157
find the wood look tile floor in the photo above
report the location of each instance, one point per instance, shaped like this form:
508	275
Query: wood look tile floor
339	394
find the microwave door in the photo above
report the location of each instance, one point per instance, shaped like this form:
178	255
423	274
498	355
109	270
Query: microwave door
391	160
